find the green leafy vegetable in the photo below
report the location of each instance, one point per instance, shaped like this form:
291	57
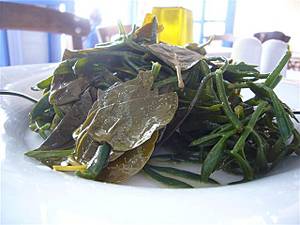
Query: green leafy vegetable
112	106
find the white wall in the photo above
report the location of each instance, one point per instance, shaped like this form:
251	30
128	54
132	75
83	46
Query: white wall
269	15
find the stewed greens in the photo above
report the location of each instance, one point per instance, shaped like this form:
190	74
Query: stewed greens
106	113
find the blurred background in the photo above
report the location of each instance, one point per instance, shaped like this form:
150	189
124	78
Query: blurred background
237	18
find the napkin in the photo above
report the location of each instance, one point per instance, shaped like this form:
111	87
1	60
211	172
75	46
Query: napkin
272	51
247	50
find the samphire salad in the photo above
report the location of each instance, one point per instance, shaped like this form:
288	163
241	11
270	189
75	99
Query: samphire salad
106	112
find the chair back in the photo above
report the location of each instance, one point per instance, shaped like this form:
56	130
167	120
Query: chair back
224	37
106	33
277	35
34	18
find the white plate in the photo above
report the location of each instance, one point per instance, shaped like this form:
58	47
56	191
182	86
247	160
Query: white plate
32	193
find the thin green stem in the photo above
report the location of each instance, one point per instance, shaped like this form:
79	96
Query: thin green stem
155	69
165	180
222	96
271	81
214	156
261	158
38	154
180	173
97	163
238	150
202	140
238	85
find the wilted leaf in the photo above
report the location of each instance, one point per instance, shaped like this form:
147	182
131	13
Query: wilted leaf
138	87
128	124
68	87
130	163
115	155
120	92
70	92
62	75
61	137
86	147
180	59
185	57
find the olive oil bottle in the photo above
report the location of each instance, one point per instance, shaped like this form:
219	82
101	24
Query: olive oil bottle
177	23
